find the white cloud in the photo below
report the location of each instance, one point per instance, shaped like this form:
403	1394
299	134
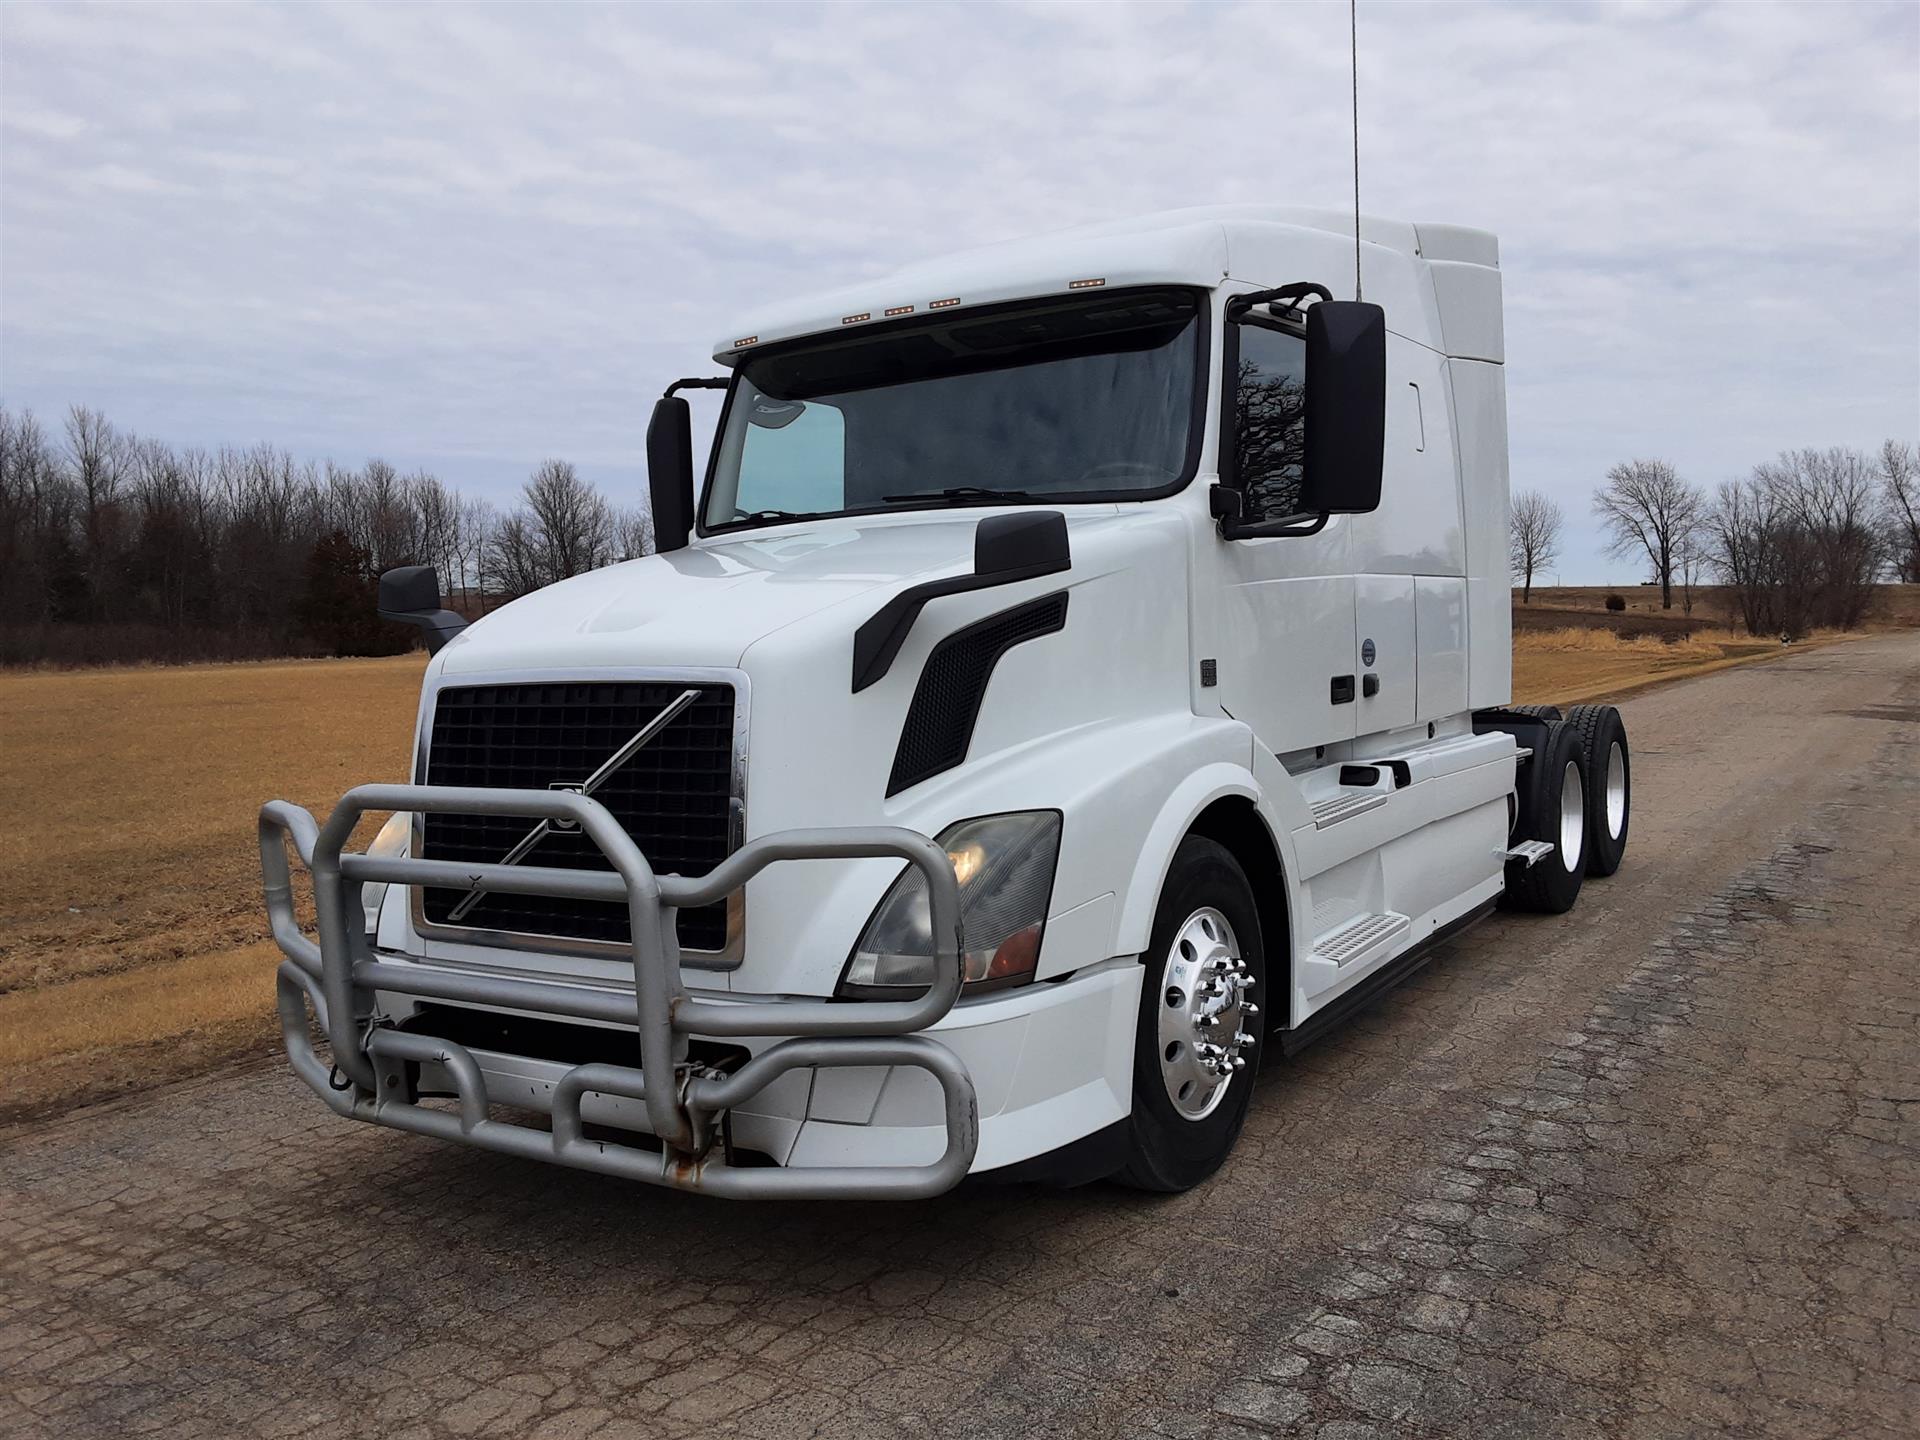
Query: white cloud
476	236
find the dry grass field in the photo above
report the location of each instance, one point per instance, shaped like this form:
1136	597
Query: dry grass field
132	942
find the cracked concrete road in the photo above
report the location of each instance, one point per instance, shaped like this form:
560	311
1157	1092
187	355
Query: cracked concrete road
1649	1169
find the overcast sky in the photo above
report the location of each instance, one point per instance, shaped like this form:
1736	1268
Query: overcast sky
470	238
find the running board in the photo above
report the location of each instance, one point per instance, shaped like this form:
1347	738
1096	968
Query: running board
1364	992
1531	851
1349	947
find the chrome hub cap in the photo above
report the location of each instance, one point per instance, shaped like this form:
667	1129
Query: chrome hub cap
1573	818
1616	791
1205	1002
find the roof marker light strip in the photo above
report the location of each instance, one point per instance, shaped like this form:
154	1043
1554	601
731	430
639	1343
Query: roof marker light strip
942	304
1085	284
750	340
856	319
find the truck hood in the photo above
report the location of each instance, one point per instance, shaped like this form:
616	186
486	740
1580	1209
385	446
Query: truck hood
705	605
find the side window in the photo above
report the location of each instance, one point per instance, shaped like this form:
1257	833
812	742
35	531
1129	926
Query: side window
794	457
1269	421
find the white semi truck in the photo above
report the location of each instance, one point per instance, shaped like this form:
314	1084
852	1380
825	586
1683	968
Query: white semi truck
1083	672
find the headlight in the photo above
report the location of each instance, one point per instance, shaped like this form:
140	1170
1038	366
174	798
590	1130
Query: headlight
393	839
1004	864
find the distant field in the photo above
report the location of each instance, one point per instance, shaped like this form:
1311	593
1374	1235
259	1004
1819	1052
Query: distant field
132	943
1713	606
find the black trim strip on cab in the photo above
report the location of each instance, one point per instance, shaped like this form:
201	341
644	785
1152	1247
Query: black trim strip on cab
938	730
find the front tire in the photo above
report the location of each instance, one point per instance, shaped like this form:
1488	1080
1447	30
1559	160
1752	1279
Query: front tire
1196	1045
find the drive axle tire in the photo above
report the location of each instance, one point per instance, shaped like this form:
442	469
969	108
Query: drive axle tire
1197	1044
1553	791
1603	735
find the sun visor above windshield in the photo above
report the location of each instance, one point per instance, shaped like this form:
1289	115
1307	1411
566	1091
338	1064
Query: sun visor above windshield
1188	253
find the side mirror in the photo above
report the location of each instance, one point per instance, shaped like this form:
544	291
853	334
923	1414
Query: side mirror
670	472
1346	408
411	595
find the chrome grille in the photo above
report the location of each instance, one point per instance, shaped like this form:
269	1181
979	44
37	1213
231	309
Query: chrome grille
675	795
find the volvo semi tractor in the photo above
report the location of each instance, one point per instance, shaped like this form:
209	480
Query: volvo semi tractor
1081	673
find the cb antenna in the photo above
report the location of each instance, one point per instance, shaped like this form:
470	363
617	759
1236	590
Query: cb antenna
1353	51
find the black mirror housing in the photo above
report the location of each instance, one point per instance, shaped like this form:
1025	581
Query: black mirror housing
411	595
1020	542
670	472
1346	408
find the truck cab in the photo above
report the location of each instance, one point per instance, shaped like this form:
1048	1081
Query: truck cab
1080	670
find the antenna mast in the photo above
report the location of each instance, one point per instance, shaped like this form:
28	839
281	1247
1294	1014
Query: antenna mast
1353	50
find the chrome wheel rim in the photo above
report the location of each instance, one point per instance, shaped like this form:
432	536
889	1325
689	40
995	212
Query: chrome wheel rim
1206	995
1573	817
1616	791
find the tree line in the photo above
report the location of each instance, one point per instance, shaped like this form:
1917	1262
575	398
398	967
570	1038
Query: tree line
114	547
1799	543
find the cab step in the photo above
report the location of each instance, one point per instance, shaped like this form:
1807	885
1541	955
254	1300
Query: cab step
1360	938
1531	851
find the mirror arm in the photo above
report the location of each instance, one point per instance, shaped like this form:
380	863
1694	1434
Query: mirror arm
1286	525
697	382
1228	505
1296	292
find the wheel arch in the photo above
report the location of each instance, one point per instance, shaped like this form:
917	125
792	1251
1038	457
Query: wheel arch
1221	802
1235	822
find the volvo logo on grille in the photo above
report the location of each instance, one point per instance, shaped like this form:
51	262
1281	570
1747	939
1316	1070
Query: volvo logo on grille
562	825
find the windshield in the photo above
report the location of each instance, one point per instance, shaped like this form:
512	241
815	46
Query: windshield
1081	398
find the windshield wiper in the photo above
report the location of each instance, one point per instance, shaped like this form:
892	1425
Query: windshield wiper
959	494
739	515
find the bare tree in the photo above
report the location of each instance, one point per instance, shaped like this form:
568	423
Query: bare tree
1829	494
1692	554
1534	543
1900	494
633	532
98	457
1645	508
572	522
1797	541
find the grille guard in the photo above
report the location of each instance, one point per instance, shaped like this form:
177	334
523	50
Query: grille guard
337	974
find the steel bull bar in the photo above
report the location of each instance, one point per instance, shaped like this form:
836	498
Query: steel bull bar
337	975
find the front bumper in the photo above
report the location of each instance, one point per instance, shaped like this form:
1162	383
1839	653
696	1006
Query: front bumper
1049	1063
337	976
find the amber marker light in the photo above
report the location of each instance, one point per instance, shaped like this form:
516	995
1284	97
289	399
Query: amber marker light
856	319
897	310
942	304
1085	284
750	340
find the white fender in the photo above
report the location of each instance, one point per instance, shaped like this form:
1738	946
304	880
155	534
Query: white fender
1191	796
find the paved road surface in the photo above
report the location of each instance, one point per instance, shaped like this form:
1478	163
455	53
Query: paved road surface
1649	1169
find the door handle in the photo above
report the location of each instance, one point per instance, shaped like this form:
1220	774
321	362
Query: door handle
1342	690
1369	686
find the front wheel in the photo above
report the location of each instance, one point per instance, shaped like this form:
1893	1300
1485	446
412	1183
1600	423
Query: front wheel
1196	1047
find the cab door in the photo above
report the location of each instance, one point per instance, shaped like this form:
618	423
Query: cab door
1283	623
